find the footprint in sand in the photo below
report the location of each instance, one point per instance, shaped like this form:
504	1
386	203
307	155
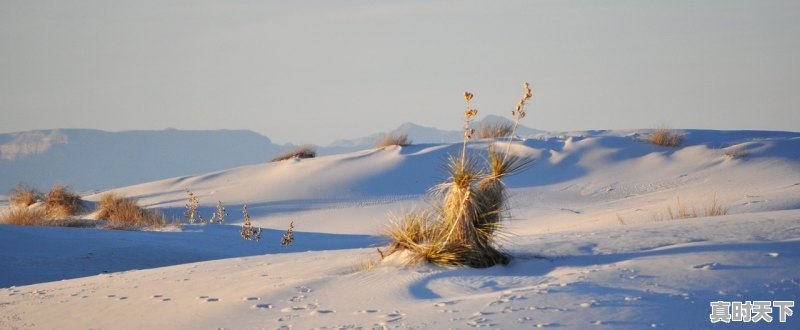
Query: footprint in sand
368	311
208	299
394	316
262	306
322	311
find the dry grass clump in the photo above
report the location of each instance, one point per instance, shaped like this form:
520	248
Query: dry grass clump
681	211
393	139
126	214
23	216
665	137
61	203
495	130
364	264
735	153
463	227
22	195
300	152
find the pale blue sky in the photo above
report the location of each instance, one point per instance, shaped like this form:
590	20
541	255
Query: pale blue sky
314	71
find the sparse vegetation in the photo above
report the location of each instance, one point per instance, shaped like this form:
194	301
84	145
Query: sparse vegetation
364	264
681	211
219	214
126	214
22	195
248	231
495	130
23	216
288	238
393	139
300	152
61	203
463	227
666	137
735	153
191	215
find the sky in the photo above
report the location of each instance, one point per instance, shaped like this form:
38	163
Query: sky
316	71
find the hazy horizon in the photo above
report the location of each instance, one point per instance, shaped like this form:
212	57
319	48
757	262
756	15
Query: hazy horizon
317	71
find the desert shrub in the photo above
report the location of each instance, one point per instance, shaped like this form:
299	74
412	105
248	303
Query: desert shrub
35	216
249	232
495	130
463	227
393	139
666	137
126	214
23	216
22	195
61	203
300	152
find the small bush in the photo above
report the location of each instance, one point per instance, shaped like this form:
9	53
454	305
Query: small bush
61	203
665	137
306	151
22	195
494	130
393	139
23	216
126	214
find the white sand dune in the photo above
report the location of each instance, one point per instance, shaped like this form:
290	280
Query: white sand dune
588	236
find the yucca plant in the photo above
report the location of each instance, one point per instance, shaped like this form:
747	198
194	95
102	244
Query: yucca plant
249	232
463	227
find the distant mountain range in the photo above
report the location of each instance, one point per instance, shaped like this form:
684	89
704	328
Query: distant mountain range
422	134
88	159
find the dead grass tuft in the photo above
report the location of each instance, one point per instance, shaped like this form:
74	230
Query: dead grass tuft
364	264
23	216
495	130
61	203
22	195
125	213
735	153
300	152
393	139
681	211
666	137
